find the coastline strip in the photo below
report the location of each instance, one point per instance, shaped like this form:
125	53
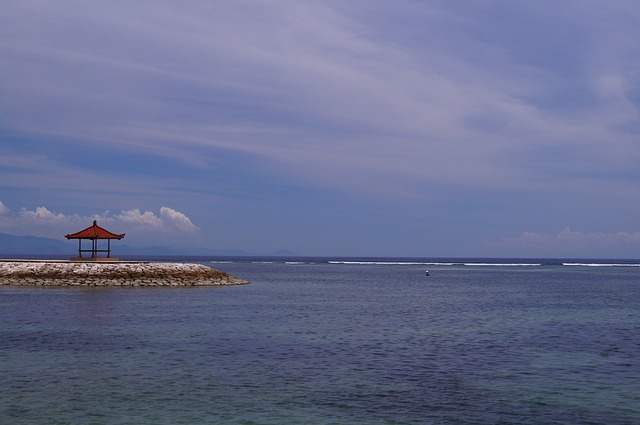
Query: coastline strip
111	274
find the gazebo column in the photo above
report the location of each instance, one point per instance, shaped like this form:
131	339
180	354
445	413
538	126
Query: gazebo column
79	248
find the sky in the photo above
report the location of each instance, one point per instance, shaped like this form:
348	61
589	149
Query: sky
326	127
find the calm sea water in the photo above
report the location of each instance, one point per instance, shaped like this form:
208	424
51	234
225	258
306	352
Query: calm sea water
362	342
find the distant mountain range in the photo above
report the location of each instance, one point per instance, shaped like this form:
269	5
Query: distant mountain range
12	245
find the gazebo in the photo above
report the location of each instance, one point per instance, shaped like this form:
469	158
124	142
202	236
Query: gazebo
94	233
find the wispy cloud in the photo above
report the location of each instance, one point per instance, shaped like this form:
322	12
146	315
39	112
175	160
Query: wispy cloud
315	84
416	103
572	243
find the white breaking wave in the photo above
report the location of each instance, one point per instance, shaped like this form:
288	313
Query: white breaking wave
410	263
379	263
600	265
504	264
429	263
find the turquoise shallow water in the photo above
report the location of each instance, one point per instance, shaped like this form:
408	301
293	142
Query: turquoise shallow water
322	343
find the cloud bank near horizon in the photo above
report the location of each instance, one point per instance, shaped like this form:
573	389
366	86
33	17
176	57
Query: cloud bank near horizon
148	226
573	243
169	223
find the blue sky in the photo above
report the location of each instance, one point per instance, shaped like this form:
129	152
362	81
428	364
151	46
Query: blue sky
327	127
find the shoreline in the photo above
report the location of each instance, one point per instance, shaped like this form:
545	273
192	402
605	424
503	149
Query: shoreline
66	273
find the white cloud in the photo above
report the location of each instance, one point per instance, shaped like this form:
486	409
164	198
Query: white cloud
168	220
177	219
144	226
42	215
138	218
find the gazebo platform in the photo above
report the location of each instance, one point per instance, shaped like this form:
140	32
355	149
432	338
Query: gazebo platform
94	260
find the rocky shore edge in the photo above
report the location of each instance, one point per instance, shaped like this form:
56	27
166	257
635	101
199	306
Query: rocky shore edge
112	274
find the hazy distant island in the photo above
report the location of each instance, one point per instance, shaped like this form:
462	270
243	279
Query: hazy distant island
14	245
107	274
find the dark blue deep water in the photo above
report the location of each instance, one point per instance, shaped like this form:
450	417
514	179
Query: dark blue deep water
315	342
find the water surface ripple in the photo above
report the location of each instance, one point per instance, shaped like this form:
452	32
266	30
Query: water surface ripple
330	344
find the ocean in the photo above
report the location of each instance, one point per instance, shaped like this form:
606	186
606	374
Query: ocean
332	341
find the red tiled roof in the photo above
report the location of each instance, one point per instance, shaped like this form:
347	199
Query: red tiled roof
94	232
